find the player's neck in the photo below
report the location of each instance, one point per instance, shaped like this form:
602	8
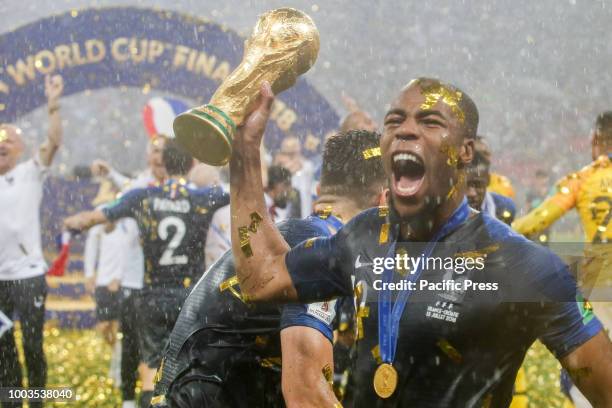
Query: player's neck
341	207
423	227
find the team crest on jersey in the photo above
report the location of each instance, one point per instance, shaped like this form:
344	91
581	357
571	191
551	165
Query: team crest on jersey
324	311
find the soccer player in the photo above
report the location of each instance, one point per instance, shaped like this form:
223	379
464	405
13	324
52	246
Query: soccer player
458	339
479	198
173	220
588	190
22	267
225	351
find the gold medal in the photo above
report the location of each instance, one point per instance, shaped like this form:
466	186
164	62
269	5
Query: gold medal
385	380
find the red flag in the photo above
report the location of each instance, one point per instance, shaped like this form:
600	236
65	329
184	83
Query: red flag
59	265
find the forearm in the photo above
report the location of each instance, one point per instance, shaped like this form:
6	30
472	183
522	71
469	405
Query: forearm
258	246
54	135
85	220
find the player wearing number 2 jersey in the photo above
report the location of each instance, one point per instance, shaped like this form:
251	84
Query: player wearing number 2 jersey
173	221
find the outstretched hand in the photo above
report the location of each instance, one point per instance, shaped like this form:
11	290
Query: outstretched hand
54	86
251	133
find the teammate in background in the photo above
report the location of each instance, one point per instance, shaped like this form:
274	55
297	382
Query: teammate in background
302	175
132	279
588	190
497	183
22	267
454	346
198	373
479	198
356	119
277	193
103	265
540	189
173	220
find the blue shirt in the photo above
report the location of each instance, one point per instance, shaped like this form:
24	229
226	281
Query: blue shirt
457	347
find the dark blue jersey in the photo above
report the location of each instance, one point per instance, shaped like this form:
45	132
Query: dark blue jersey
173	220
463	335
228	339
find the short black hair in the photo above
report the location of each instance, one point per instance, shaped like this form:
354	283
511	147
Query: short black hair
603	127
176	159
278	175
352	164
465	104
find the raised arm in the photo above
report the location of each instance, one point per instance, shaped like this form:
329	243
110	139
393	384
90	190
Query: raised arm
54	86
590	367
259	248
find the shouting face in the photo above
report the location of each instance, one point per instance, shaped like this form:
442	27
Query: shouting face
423	147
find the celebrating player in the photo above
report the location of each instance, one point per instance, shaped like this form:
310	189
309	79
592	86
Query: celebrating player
450	345
173	221
22	266
197	372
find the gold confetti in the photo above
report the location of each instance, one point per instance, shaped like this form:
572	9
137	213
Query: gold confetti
362	312
309	242
328	374
436	92
383	211
256	219
229	284
187	282
376	354
325	212
384	234
370	153
245	241
450	351
3	135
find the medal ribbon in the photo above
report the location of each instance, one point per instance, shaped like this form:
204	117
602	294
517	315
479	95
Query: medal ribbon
389	315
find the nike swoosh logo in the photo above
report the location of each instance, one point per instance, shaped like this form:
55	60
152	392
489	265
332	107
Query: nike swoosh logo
38	302
358	263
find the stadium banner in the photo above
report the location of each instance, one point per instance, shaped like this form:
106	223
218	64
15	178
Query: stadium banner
146	49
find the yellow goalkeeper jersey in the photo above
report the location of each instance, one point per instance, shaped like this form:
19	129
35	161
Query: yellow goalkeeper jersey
589	191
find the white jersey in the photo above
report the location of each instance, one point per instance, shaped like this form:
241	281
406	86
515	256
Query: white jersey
105	254
20	244
218	239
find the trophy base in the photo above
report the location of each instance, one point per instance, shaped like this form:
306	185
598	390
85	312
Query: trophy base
206	133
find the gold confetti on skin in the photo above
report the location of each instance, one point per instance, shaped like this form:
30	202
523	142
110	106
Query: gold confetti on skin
452	153
255	221
3	135
438	92
245	241
454	189
328	374
371	153
450	351
384	234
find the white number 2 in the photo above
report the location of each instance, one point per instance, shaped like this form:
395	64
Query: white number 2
168	257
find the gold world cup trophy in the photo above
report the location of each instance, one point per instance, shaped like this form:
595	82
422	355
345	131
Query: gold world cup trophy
284	44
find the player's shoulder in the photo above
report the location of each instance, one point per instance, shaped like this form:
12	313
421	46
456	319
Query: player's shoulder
296	230
211	194
368	220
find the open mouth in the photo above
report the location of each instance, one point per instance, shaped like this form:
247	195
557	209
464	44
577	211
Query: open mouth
408	173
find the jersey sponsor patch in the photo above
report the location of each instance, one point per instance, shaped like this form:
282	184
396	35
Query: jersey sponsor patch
324	311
